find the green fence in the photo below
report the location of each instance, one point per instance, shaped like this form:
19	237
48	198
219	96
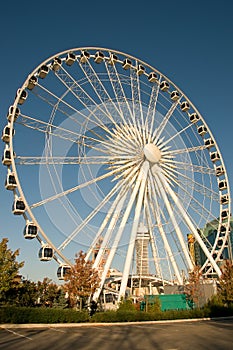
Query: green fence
167	301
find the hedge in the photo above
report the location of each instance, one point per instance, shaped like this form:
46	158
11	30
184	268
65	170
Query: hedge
16	315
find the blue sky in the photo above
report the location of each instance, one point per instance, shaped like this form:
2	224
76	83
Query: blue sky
189	41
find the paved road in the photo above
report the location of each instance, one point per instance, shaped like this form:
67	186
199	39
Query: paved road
201	335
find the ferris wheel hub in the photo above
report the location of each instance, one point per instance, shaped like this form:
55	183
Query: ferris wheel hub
152	153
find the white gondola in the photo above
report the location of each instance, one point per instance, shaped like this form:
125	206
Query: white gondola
224	199
18	207
112	59
43	71
45	253
56	64
153	77
99	57
225	214
202	130
62	271
126	64
222	185
164	86
184	106
219	170
22	96
32	82
6	133
6	158
10	182
140	69
84	57
209	143
30	230
223	229
11	113
194	117
214	156
70	58
175	95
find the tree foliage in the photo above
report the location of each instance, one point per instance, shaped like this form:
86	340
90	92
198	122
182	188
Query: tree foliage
47	292
225	287
194	288
81	281
9	270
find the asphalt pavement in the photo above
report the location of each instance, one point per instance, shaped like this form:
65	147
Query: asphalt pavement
182	335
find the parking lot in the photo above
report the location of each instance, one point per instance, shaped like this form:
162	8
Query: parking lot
186	335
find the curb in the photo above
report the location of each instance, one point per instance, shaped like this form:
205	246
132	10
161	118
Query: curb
102	324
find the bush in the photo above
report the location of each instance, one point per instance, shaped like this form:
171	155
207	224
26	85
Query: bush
13	314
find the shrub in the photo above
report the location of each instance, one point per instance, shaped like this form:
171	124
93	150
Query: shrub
41	315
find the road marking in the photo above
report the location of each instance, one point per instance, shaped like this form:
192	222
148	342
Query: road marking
57	330
18	334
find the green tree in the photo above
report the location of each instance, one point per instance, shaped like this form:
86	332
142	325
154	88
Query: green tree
81	281
9	271
225	287
47	292
27	294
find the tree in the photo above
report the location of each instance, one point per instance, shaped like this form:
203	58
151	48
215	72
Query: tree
225	287
27	294
9	270
47	292
194	288
81	281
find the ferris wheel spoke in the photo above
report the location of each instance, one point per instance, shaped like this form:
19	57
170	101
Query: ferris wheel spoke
59	101
177	134
71	190
138	118
58	131
196	186
89	217
104	223
190	167
150	117
83	97
55	101
120	94
158	131
185	150
99	88
189	223
27	160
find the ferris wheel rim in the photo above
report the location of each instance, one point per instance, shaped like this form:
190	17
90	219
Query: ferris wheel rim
13	165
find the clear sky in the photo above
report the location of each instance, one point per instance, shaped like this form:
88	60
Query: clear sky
191	42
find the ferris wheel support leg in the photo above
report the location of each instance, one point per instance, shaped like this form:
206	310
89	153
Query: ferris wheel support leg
142	182
120	230
102	227
113	249
152	241
192	228
162	183
163	235
110	228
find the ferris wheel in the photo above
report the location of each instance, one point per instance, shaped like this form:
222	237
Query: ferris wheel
105	154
